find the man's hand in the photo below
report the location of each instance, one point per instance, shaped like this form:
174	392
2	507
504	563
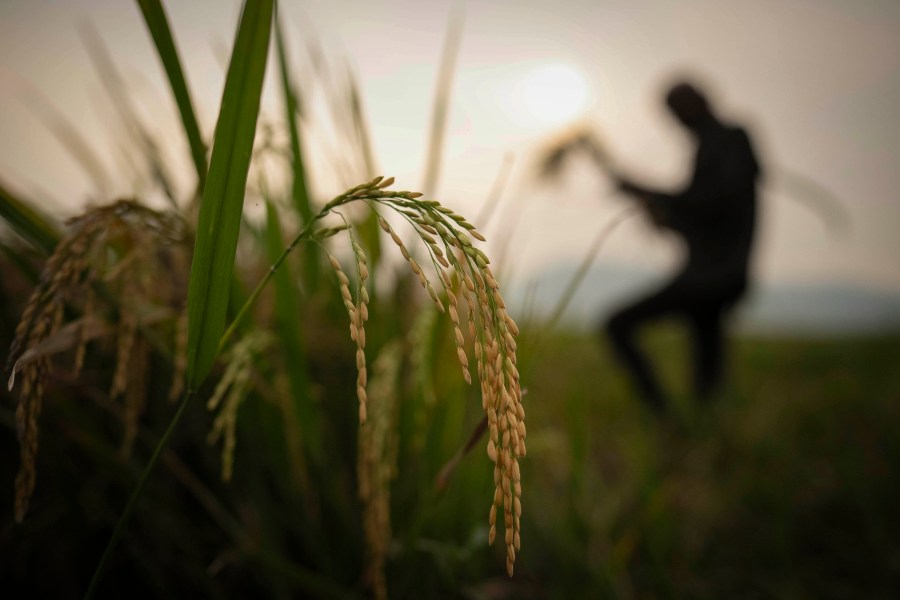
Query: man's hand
645	198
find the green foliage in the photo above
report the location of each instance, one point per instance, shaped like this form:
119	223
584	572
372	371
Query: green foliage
223	197
28	222
299	187
294	360
158	25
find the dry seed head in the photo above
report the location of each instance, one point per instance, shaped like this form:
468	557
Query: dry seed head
491	330
358	314
101	244
230	393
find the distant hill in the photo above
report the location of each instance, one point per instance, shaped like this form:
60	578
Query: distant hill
808	309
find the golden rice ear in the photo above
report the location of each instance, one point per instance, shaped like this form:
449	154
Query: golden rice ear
491	330
358	313
446	238
230	393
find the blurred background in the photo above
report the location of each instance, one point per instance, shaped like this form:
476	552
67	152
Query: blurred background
786	488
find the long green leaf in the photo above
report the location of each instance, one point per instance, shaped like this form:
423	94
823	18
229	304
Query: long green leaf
223	197
117	90
62	128
299	191
290	335
28	222
438	127
158	24
299	187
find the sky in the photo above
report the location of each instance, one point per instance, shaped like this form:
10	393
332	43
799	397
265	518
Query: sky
816	82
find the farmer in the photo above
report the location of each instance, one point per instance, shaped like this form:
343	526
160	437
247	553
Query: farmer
715	216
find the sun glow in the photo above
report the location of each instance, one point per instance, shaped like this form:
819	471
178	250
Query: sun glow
553	94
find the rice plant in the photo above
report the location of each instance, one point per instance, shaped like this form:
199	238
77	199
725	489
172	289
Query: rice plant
167	288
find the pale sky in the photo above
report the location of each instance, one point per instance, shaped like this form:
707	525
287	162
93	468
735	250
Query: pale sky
816	81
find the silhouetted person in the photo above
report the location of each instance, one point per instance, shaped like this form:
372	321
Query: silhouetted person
715	216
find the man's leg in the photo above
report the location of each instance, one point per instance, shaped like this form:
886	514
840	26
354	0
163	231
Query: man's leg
709	348
622	329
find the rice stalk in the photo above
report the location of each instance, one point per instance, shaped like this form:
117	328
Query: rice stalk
440	111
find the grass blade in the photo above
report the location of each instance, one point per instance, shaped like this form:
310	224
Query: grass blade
116	89
222	204
158	24
299	187
584	267
290	335
299	191
27	222
438	127
68	136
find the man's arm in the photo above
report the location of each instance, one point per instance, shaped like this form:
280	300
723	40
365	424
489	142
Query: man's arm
726	167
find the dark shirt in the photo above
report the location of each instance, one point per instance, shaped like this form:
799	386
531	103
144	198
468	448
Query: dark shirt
716	213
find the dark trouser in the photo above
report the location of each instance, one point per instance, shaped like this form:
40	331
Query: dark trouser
703	308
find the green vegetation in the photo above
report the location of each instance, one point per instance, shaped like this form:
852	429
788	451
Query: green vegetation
783	488
297	460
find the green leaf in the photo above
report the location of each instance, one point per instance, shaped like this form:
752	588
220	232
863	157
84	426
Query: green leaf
440	112
223	197
299	187
117	90
62	128
158	24
290	335
28	222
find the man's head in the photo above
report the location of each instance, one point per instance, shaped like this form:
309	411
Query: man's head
688	104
